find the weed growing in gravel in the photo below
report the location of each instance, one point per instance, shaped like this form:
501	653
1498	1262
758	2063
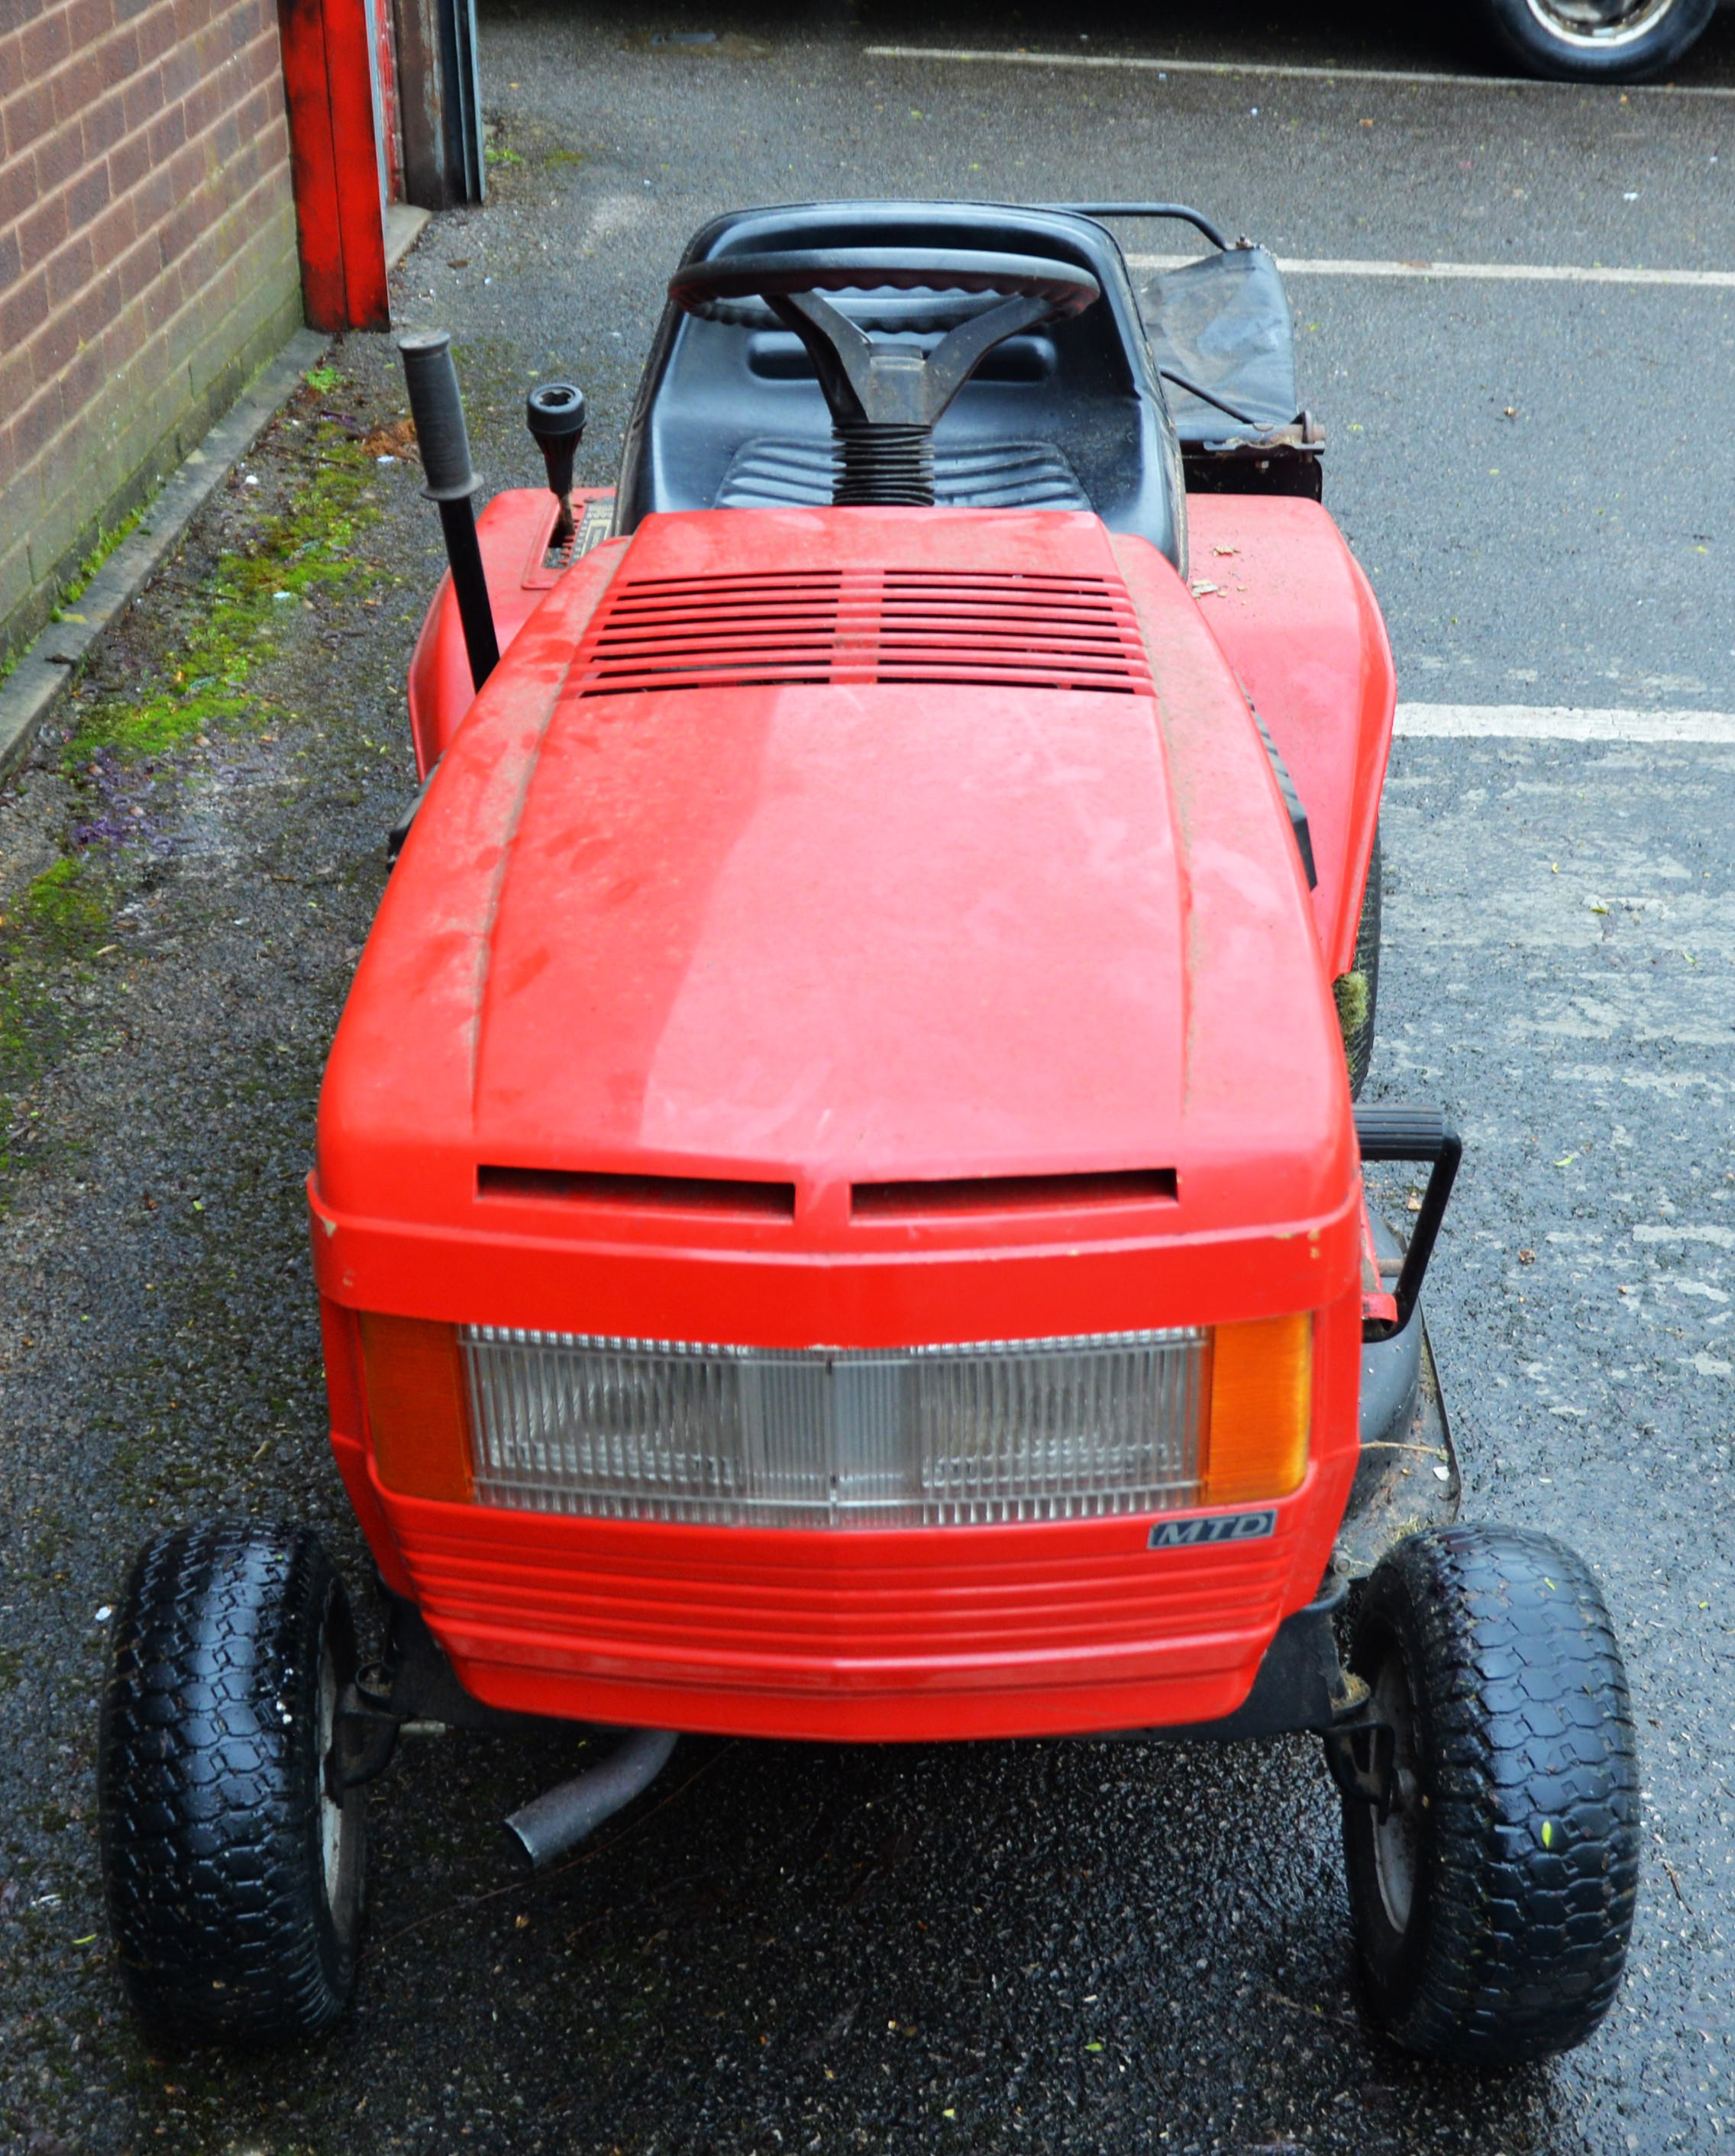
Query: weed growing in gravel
207	678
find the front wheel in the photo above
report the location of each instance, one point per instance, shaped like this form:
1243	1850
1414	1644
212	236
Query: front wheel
1596	40
231	1853
1492	1849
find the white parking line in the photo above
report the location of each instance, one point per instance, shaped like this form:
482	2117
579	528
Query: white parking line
1560	722
1137	63
1508	273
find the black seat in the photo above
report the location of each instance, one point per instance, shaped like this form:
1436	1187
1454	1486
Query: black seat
1070	416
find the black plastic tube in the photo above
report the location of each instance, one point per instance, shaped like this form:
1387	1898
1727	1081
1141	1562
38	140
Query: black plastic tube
552	1824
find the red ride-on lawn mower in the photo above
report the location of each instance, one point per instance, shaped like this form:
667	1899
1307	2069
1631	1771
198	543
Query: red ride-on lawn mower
839	1209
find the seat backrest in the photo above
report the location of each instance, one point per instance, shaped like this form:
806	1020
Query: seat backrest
1086	386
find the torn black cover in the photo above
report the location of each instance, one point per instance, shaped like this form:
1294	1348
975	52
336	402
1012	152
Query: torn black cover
1225	323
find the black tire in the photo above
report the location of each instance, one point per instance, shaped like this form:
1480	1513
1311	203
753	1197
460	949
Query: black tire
1358	1006
234	1882
1565	40
1516	1833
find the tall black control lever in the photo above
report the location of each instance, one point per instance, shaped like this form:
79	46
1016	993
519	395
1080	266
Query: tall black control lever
438	410
555	416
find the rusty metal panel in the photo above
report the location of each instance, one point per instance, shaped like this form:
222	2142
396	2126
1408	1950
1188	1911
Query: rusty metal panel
440	101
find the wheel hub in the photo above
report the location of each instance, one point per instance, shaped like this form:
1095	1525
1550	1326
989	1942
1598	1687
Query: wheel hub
1397	1822
330	1808
1599	26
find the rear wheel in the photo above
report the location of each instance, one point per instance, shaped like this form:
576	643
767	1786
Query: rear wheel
1492	1889
234	1870
1596	40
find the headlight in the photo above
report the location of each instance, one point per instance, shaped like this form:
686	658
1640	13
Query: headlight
1002	1430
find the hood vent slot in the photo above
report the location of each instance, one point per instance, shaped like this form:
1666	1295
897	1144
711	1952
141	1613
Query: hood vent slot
1012	1193
863	626
643	1193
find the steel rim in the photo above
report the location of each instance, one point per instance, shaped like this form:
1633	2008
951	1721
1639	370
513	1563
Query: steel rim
1599	26
1398	1837
331	1811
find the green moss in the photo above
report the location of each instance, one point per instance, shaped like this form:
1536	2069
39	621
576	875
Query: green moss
1351	991
205	683
564	157
60	909
50	935
107	542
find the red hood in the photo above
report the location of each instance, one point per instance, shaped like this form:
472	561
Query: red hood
834	930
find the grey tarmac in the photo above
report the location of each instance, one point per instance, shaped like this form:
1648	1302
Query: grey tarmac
1067	1946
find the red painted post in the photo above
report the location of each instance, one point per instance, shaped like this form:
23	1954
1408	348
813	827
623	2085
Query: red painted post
334	160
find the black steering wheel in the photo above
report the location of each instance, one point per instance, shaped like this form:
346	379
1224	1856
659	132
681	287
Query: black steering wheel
884	398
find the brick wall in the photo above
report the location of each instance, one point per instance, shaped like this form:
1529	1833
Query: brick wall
147	258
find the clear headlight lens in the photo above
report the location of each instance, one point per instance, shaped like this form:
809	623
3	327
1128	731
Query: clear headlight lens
1035	1429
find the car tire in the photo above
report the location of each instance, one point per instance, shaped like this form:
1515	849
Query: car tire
1358	992
1595	40
1493	1905
234	1876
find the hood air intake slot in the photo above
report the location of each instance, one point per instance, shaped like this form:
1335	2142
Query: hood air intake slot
1012	1193
643	1193
863	626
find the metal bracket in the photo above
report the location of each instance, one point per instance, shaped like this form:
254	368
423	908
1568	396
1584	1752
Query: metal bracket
395	838
415	1688
1301	1684
1363	1756
366	1734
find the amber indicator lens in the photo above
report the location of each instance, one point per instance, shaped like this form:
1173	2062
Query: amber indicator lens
1261	1408
415	1407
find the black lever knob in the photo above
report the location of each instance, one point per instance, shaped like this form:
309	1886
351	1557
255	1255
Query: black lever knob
554	414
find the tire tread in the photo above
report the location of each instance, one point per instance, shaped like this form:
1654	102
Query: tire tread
205	1820
1535	1830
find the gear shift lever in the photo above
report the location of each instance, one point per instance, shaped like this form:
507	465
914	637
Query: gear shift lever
554	414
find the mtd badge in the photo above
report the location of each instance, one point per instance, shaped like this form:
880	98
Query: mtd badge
1217	1527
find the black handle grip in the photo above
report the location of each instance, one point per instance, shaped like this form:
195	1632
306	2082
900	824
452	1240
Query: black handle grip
1388	1134
437	409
